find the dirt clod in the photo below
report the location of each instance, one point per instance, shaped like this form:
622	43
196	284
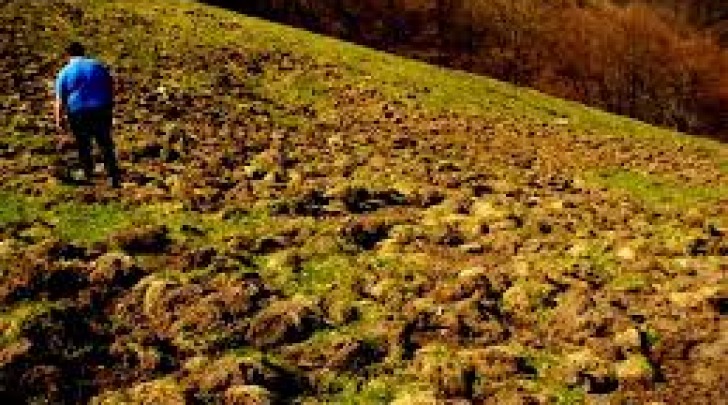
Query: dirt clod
284	321
145	239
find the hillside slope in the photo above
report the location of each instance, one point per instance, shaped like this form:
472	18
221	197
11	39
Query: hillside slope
639	58
304	220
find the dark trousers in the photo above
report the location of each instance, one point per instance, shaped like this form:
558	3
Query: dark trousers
94	125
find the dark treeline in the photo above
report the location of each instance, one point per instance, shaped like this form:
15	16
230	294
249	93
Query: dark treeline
656	60
707	14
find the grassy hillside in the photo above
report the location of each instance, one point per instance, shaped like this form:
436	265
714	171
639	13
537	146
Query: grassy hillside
306	220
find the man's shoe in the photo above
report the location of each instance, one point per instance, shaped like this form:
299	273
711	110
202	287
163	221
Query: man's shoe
79	177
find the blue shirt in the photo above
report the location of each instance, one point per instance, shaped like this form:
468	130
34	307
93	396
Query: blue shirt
84	84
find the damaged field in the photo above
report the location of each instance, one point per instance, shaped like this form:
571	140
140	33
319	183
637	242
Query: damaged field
307	221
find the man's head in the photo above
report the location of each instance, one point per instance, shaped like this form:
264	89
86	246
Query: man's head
75	49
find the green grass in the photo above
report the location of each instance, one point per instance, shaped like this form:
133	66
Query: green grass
87	223
14	208
69	221
90	223
570	396
653	190
723	166
629	282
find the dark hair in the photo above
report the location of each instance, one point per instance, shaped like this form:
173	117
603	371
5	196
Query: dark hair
75	49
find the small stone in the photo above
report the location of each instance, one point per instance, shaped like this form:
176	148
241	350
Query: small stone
254	172
694	299
486	210
247	395
578	249
77	175
521	268
629	340
516	299
473	272
635	369
472	248
112	266
557	205
416	398
626	253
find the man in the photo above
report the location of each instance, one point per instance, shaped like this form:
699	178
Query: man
84	92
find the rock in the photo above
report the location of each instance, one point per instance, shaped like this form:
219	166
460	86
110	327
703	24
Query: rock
636	369
486	210
521	268
694	299
626	253
472	248
382	290
113	267
247	395
473	272
284	261
254	172
578	248
557	205
416	398
275	177
629	340
580	360
474	228
517	300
